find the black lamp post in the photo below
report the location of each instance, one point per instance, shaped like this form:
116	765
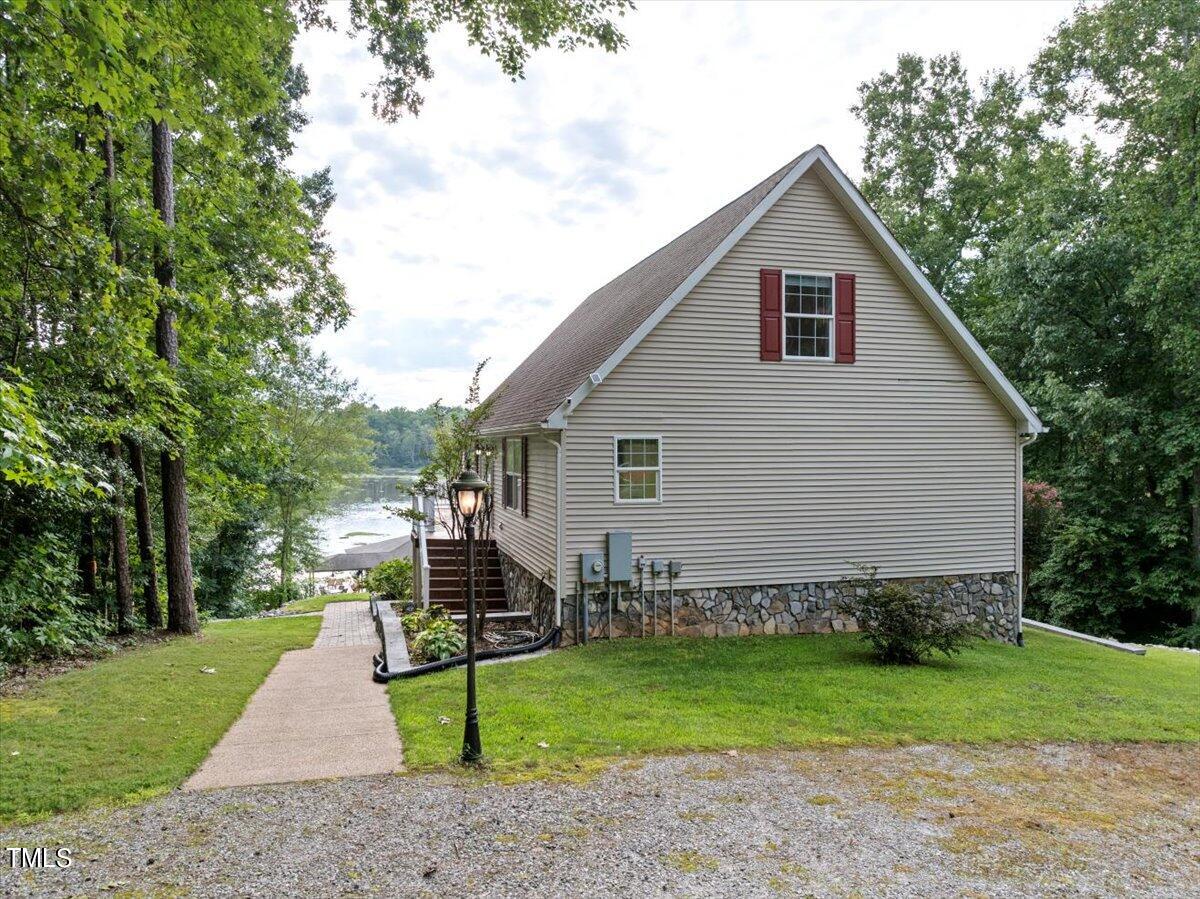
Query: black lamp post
467	493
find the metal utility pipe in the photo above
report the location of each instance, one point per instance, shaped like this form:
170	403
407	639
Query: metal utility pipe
671	593
610	607
654	600
642	595
587	626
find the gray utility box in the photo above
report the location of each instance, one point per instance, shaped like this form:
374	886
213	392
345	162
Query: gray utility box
620	556
592	569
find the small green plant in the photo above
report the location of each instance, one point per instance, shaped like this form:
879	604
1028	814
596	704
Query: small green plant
392	579
418	619
902	627
440	639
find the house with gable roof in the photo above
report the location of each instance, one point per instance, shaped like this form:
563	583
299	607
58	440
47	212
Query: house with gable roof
773	398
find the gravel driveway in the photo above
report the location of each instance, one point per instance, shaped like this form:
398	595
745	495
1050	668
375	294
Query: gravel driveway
928	820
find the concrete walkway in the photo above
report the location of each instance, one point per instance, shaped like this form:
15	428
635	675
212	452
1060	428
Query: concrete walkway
317	715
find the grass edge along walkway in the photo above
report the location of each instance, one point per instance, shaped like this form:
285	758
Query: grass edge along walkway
318	603
660	696
137	724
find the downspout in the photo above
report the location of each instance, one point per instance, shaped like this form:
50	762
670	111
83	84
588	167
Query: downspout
1023	440
559	529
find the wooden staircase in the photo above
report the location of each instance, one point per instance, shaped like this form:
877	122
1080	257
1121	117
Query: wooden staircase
447	576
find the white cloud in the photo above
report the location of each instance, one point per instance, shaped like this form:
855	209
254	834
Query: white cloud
472	230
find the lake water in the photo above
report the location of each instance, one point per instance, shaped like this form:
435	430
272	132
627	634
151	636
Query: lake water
358	515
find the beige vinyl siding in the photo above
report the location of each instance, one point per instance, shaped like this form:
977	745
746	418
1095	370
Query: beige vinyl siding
529	540
788	471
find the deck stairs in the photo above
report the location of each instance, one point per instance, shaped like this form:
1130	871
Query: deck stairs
447	576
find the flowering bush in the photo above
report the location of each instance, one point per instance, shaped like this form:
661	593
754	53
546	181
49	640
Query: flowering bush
1042	518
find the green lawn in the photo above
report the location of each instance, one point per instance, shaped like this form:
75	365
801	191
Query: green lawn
318	603
136	724
664	695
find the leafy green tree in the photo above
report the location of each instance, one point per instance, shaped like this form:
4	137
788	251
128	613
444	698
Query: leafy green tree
158	261
404	437
321	439
1079	270
398	35
939	158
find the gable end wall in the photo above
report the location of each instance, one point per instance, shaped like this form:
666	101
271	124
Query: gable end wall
904	460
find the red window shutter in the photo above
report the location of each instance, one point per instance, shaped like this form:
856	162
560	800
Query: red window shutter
844	326
525	476
504	471
770	314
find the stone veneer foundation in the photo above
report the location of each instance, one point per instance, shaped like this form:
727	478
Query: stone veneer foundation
987	600
527	592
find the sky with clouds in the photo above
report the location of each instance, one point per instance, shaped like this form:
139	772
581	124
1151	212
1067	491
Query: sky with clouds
473	229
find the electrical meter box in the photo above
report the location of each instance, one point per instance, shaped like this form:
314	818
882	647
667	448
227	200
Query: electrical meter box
675	567
620	556
592	569
657	567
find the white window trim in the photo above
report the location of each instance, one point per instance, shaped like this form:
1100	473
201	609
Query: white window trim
617	471
519	475
783	316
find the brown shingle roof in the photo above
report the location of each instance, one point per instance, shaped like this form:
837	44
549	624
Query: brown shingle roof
602	322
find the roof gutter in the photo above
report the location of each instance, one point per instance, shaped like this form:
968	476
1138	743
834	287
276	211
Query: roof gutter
559	527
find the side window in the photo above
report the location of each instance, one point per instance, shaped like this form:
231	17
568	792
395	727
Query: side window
637	469
514	473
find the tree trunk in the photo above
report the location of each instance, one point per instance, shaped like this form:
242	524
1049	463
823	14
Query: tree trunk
87	557
181	597
120	540
110	211
145	535
285	548
120	544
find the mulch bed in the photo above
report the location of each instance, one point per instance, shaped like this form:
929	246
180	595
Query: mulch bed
489	628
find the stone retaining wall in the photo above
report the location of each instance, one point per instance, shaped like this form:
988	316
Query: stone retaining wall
527	592
987	600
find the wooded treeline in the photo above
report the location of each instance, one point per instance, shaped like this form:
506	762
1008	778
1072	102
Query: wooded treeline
161	268
404	437
1056	209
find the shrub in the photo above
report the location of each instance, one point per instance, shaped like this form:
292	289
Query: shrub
440	639
271	597
901	626
40	615
392	579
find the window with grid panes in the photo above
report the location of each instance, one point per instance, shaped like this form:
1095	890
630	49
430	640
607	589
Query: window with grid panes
638	469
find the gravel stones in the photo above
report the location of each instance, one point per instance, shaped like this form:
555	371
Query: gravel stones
929	821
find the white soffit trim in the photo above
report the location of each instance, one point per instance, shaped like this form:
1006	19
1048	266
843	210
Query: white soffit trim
879	235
